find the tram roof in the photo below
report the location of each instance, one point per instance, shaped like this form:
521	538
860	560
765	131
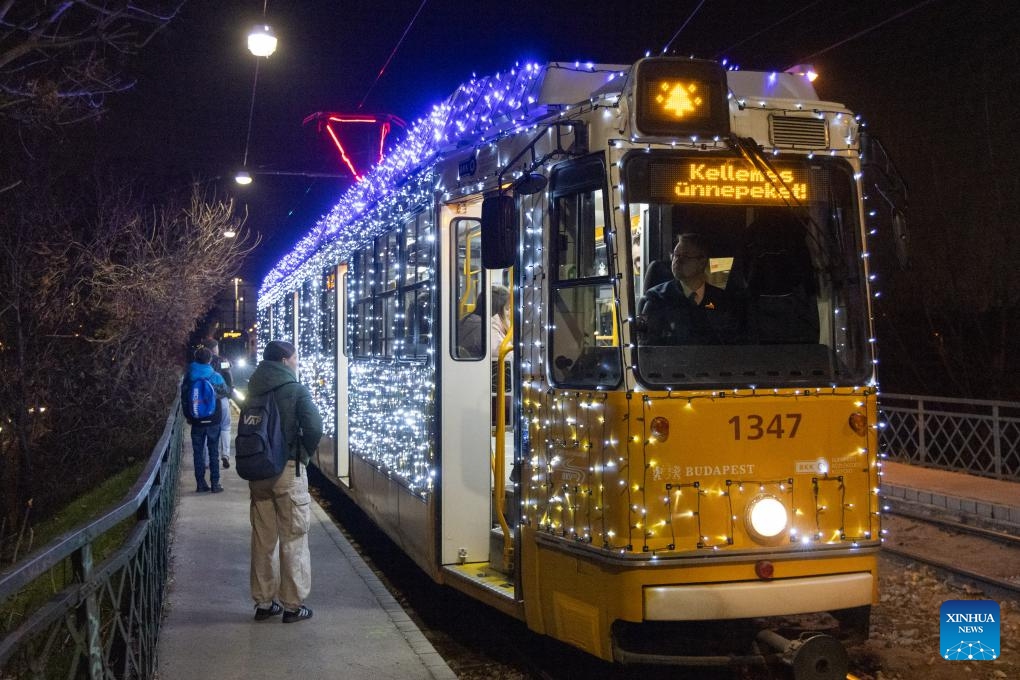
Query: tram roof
480	109
486	108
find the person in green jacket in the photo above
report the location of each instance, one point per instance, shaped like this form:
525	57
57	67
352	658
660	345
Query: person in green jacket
281	573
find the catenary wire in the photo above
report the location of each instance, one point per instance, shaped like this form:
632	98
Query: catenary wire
905	12
767	28
683	26
390	58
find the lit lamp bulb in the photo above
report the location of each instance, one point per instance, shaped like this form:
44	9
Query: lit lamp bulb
243	177
261	41
805	71
229	232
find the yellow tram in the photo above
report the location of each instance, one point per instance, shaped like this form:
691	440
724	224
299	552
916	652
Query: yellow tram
642	495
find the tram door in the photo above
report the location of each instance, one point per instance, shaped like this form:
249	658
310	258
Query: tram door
467	385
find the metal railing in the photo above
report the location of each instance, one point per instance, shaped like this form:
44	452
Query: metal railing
965	435
105	622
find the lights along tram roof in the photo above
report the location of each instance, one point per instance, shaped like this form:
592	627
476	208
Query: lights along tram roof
480	109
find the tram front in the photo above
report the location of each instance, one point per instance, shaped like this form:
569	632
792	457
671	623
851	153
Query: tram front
698	366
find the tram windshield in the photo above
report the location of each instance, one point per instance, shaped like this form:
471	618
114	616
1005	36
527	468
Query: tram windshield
734	287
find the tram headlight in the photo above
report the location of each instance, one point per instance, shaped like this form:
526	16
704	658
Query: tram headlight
766	519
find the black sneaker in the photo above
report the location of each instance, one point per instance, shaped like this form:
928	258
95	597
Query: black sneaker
225	462
202	488
216	488
298	615
261	614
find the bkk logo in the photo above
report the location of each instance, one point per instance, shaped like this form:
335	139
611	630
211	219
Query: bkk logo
969	630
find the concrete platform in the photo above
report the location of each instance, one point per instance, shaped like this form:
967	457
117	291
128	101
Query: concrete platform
969	499
358	630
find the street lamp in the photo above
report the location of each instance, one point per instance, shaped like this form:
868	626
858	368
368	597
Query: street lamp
243	177
261	41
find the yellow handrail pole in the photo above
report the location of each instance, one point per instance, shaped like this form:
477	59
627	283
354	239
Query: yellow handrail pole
499	464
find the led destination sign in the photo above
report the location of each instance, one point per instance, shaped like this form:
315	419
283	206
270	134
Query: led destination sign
701	181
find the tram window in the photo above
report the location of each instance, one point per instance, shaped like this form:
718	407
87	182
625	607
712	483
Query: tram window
585	339
417	309
471	324
787	303
416	250
585	345
283	319
389	302
327	311
387	327
308	326
581	247
416	296
387	260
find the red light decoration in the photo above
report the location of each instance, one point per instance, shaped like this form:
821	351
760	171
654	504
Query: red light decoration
330	122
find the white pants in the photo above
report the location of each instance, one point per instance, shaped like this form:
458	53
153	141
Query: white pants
281	514
225	428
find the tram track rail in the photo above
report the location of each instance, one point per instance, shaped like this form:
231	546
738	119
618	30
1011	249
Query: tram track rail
936	555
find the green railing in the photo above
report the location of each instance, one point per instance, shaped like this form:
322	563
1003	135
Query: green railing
103	620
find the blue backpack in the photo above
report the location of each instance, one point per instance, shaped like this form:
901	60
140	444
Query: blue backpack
200	402
261	450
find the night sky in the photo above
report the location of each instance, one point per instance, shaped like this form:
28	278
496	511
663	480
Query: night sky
938	84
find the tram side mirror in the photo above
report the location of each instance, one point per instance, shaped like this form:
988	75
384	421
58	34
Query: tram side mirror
499	232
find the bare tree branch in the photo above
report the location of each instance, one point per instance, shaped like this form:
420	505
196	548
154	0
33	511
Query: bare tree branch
58	57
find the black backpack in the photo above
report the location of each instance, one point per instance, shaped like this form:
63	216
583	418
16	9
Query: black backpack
261	450
200	402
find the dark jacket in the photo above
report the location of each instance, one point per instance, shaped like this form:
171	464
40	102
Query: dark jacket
299	416
672	319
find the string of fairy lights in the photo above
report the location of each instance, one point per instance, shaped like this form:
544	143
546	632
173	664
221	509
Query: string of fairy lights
626	503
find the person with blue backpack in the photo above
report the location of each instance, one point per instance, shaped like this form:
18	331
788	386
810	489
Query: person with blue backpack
201	391
277	406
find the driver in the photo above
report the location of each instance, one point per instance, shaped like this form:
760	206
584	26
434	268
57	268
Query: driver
689	310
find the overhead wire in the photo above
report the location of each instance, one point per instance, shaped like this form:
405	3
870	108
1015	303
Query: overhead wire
683	26
392	53
833	46
254	85
768	28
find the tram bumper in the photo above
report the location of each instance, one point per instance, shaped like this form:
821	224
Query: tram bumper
718	601
736	624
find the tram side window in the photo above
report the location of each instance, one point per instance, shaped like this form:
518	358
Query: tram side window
416	293
327	311
584	343
472	322
390	293
283	319
362	318
308	324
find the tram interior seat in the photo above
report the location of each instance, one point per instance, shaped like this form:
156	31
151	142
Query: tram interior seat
658	272
774	276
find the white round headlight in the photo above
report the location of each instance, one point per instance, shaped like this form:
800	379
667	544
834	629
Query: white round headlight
766	518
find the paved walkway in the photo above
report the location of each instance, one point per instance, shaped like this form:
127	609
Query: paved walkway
358	631
991	503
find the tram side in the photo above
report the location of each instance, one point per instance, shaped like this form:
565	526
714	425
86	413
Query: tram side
618	488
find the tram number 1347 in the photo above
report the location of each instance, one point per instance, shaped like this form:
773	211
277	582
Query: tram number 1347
754	426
